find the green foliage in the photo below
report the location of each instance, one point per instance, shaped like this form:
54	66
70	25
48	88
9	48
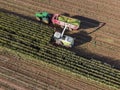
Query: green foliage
69	20
32	39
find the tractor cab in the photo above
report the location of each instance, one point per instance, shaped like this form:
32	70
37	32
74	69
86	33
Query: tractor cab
43	16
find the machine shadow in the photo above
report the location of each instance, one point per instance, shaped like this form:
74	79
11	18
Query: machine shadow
81	37
87	23
66	14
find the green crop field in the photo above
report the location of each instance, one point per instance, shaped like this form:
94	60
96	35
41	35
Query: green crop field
32	38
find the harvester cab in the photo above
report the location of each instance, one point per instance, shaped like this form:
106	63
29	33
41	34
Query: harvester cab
43	16
63	40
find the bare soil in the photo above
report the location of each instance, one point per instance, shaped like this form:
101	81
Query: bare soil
20	74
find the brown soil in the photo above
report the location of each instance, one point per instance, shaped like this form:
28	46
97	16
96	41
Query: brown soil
19	74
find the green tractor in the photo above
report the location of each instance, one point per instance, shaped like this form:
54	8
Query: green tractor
43	16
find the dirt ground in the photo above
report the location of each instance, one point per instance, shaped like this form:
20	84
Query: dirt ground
19	74
98	37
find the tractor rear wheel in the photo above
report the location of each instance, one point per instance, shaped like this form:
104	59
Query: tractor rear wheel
45	20
38	18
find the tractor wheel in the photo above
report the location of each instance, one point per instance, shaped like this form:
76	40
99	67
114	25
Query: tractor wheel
38	18
45	20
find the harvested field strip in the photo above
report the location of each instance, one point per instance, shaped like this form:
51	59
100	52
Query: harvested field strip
17	6
89	4
103	41
20	79
115	3
20	6
34	79
107	46
42	50
13	8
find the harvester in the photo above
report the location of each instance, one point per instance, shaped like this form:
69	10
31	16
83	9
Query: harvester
61	39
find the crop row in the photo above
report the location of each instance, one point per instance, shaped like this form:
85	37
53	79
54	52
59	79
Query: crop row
33	38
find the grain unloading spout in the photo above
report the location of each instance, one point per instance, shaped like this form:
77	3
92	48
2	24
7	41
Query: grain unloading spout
64	30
